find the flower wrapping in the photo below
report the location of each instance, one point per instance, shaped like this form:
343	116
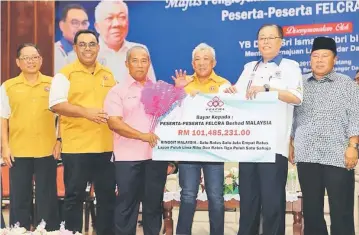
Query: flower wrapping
159	99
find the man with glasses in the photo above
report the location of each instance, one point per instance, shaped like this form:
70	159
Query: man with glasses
77	94
29	145
111	22
262	185
73	19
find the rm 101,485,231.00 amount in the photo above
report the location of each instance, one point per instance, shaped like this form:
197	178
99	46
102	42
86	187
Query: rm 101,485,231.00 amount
231	132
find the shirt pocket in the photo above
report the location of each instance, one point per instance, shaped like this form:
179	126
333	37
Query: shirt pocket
278	83
131	103
43	101
20	103
212	88
107	82
106	85
18	96
80	87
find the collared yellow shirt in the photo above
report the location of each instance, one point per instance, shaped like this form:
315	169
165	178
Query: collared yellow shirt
209	86
80	135
32	131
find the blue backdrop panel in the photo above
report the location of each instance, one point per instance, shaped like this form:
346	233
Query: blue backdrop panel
171	29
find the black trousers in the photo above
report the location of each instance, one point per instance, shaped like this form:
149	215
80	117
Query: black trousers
2	223
21	192
314	179
140	181
262	189
79	169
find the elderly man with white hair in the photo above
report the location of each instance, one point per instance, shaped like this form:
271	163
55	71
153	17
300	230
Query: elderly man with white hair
204	80
138	177
111	22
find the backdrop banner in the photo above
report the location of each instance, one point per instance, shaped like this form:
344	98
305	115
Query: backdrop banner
171	29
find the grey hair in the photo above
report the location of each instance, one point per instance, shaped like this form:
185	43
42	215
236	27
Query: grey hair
107	4
137	47
203	46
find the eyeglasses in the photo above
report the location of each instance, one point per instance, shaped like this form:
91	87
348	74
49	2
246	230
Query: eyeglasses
77	23
28	58
84	45
269	39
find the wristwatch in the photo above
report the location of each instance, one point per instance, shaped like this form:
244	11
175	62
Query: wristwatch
354	145
266	87
59	139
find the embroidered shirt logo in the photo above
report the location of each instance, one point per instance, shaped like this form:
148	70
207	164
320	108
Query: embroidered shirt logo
212	88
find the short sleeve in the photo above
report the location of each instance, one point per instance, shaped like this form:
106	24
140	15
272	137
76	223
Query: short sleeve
113	105
59	90
295	82
5	105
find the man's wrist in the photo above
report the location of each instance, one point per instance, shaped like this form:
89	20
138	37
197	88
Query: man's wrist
83	112
140	136
266	87
59	139
5	145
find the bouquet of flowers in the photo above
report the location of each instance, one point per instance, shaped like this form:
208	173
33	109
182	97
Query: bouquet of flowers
159	99
231	181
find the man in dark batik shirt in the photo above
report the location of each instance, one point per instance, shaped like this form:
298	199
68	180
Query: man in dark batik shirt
325	147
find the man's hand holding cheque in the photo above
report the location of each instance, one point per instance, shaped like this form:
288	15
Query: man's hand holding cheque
134	108
251	93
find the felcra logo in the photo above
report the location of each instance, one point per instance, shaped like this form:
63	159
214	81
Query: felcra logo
215	105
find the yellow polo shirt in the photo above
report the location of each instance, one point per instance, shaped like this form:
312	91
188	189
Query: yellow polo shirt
32	131
211	85
80	135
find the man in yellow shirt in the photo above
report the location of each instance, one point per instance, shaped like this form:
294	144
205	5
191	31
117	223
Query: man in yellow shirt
29	145
77	94
204	80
